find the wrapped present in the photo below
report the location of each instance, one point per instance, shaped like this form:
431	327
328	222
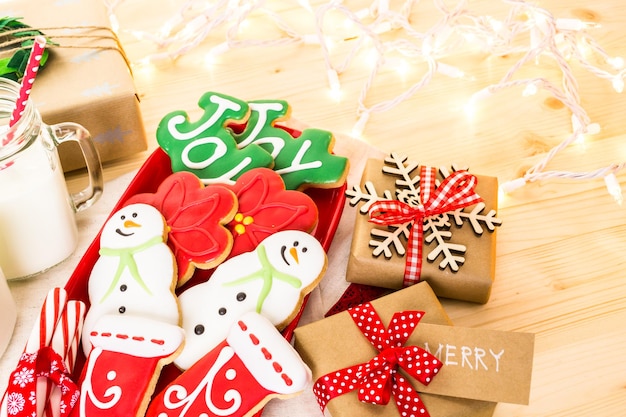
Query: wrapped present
457	371
86	79
454	247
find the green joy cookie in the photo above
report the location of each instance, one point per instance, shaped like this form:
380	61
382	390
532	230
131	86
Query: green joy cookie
306	161
205	147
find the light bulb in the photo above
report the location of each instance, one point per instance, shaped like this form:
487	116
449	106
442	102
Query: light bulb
167	28
530	90
359	126
616	62
593	128
401	66
192	27
574	25
310	39
612	185
335	87
383	27
306	5
427	48
115	24
510	186
496	24
481	94
449	70
219	49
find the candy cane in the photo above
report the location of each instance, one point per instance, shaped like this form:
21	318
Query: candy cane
65	343
72	352
43	330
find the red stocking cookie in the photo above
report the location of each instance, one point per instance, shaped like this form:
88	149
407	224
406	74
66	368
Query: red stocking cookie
124	365
253	365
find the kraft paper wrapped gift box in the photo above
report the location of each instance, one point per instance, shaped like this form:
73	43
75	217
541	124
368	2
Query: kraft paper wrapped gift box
86	80
480	367
473	279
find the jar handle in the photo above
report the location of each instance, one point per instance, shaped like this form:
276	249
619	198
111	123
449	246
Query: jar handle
73	132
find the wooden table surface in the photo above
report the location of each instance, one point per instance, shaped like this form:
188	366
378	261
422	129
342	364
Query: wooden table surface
560	251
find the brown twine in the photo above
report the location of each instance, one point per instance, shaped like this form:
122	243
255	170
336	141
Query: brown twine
111	36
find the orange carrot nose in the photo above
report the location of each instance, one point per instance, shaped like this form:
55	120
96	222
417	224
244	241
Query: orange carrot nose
294	254
130	223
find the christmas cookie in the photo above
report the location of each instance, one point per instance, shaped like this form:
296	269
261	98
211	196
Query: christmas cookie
135	273
205	147
122	369
236	378
261	126
196	216
272	280
302	162
265	207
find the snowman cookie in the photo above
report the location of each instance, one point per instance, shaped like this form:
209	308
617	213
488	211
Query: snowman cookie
272	280
135	273
238	377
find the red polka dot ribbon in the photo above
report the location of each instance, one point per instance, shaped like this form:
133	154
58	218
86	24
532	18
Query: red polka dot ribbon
22	390
377	380
455	192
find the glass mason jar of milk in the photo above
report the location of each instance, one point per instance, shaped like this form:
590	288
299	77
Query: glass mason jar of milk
37	213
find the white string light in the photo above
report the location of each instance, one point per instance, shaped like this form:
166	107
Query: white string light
385	33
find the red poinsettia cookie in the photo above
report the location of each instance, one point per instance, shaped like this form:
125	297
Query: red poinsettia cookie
196	216
265	207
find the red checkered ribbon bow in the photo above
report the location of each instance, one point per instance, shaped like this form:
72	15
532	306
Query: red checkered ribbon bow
378	379
22	389
456	191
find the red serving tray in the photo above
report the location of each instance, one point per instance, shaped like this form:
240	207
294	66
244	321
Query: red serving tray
329	201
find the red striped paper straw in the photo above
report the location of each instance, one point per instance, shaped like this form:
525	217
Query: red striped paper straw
29	78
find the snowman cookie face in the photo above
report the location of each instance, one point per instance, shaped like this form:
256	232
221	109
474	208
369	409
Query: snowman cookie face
131	226
272	280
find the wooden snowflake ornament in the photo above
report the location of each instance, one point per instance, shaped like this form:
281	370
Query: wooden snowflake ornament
453	248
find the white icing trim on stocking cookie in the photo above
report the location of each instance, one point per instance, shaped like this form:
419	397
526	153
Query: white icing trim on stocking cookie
268	356
136	336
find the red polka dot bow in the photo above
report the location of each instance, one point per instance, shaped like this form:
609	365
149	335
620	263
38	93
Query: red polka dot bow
455	192
377	380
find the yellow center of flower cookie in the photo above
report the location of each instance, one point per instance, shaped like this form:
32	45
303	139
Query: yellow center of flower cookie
242	222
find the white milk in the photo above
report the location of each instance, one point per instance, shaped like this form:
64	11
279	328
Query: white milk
37	225
8	314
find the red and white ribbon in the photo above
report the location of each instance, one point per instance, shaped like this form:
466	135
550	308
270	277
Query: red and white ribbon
22	390
456	191
65	341
377	380
41	381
